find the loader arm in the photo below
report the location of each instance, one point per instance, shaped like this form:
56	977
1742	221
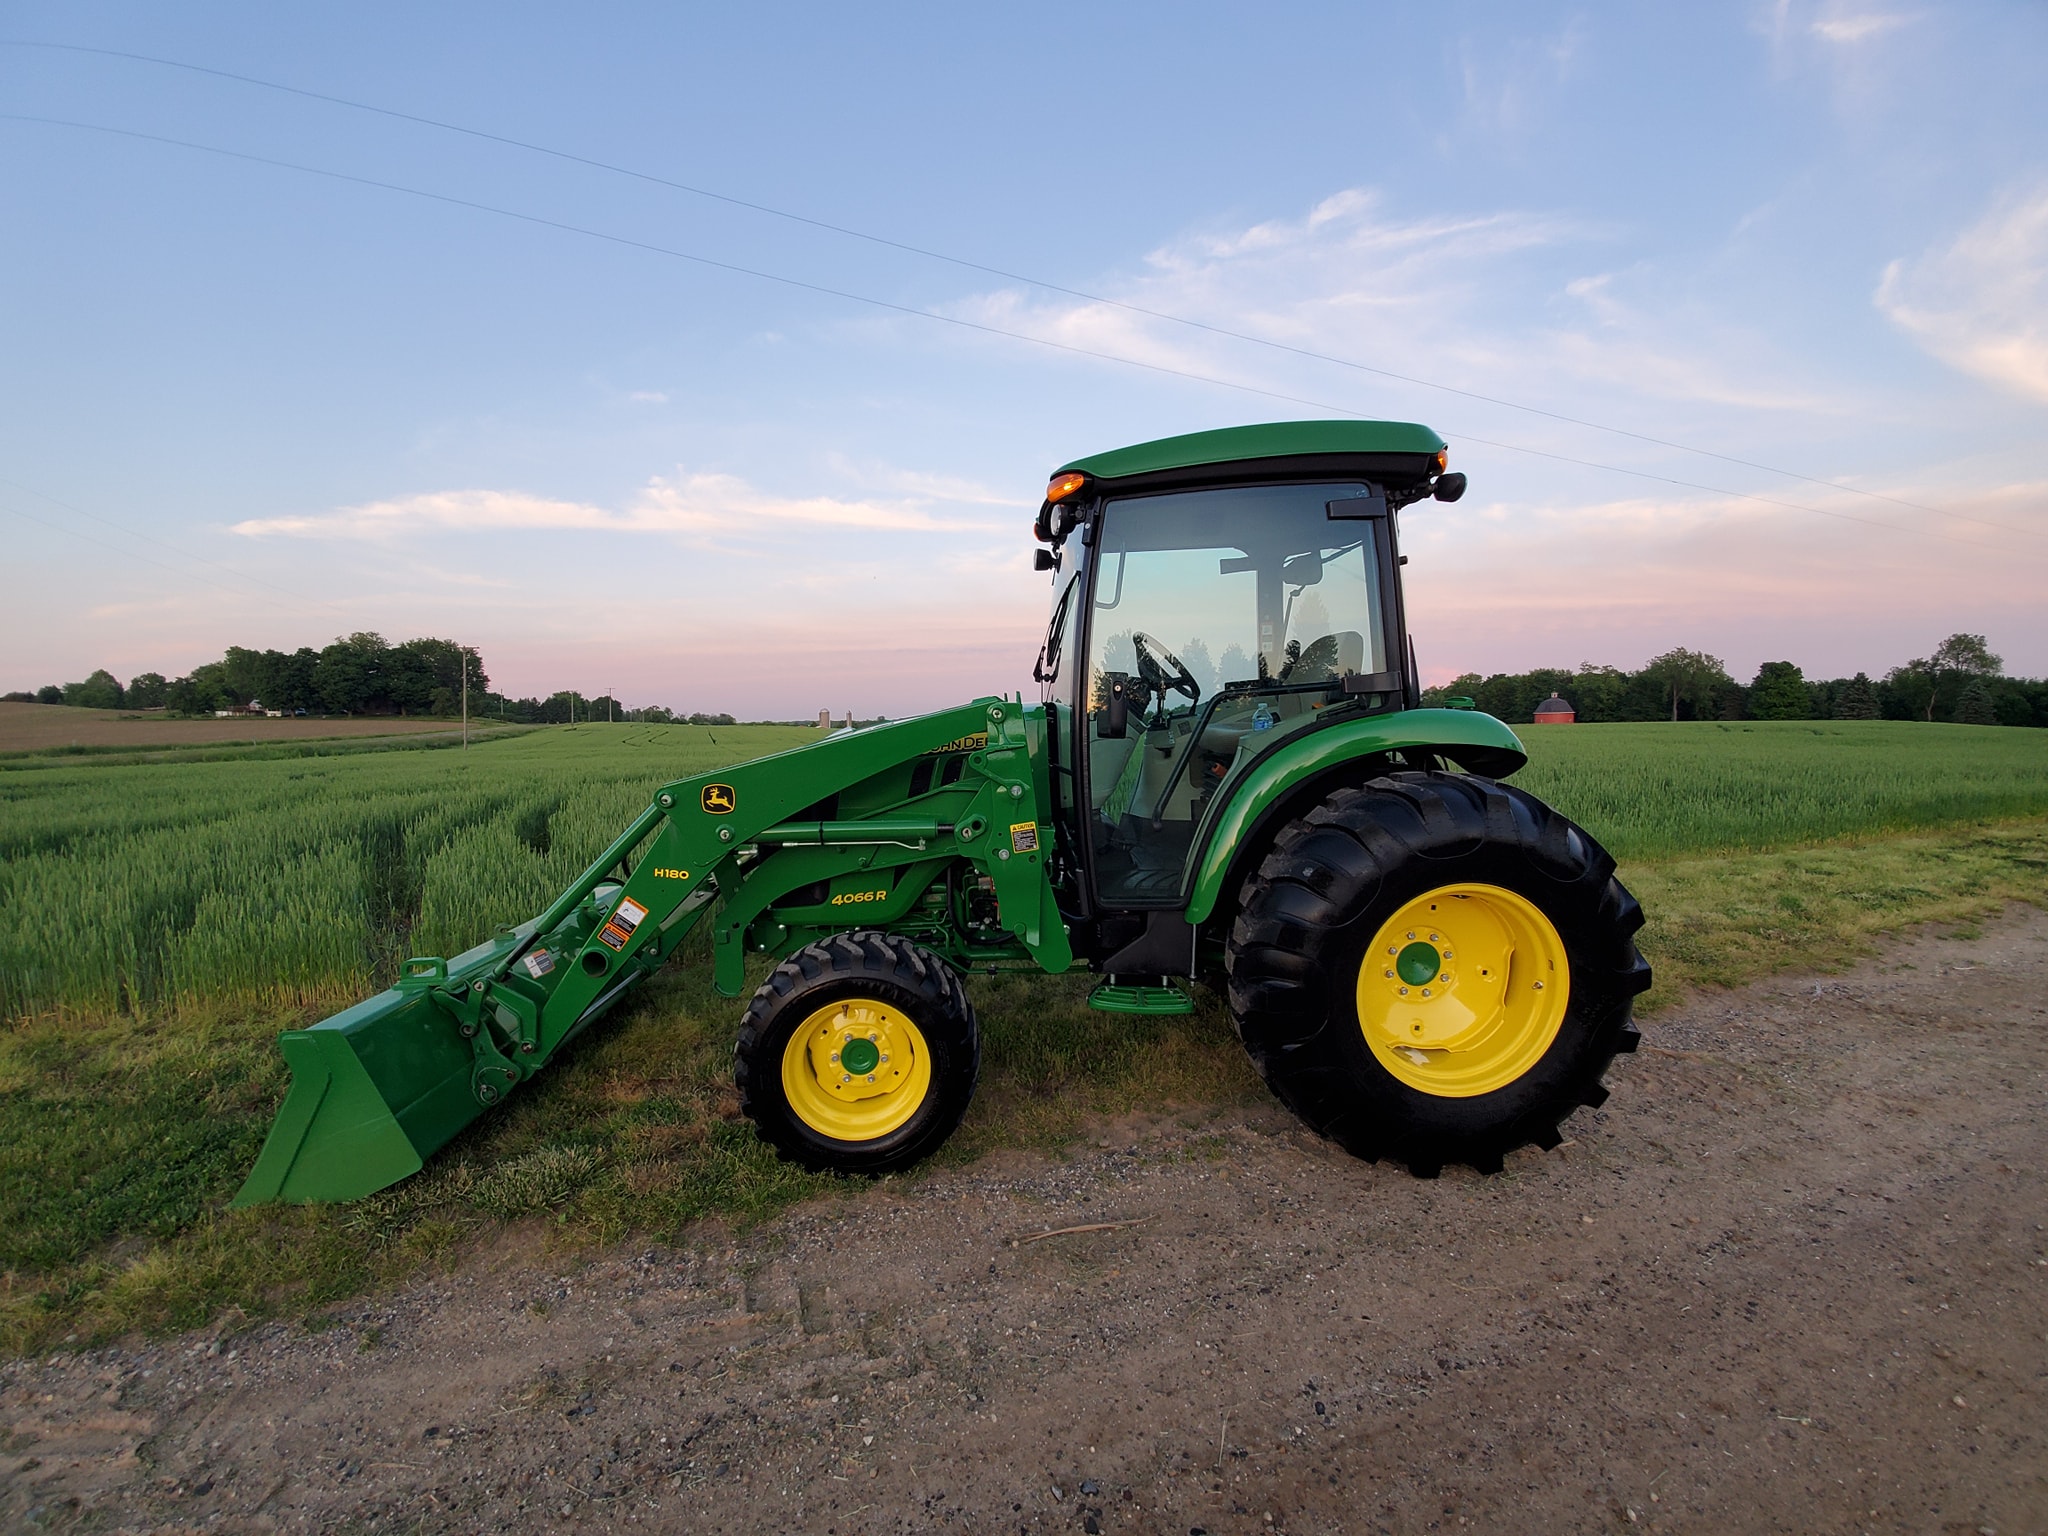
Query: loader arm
379	1088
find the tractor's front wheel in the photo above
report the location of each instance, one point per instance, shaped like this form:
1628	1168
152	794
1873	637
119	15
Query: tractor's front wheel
858	1054
1435	969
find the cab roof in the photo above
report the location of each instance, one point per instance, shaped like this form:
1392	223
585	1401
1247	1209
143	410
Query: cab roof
1267	440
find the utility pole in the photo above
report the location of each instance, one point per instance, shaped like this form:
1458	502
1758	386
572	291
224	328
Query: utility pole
465	698
608	702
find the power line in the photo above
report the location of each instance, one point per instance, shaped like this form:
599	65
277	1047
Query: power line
652	179
940	317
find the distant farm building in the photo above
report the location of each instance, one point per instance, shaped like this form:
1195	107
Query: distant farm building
1555	711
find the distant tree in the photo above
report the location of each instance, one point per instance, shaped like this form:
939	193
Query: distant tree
1201	666
147	691
102	690
1234	666
1598	693
294	680
1691	677
1779	693
17	698
50	693
1858	700
2019	701
350	674
211	690
246	674
1944	674
1975	706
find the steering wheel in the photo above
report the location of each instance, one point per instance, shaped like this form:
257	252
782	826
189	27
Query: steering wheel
1155	676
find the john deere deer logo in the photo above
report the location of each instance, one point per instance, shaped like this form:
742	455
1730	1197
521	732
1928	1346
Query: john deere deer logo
719	799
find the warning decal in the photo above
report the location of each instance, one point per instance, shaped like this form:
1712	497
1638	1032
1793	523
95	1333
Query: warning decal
619	928
538	963
1024	836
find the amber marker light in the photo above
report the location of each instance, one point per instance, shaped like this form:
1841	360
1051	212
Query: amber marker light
1443	457
1064	486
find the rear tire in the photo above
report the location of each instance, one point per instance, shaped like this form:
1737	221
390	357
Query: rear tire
1505	911
858	1054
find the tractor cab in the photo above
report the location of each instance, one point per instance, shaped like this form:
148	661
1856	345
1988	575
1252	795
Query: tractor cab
1216	595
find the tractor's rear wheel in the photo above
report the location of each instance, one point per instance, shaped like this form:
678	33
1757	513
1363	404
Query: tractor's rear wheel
858	1054
1435	969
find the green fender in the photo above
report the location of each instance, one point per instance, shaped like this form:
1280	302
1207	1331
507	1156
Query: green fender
1478	743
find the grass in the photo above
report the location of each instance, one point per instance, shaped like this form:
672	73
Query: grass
1657	791
124	1127
307	880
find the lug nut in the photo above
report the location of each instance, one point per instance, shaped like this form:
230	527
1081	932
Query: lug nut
1404	991
1425	991
1539	986
1445	977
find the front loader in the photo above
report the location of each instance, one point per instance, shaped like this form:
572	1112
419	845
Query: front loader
1427	964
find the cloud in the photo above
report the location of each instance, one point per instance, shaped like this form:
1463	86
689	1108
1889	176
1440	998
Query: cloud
1981	305
712	506
1487	301
1847	27
648	397
1343	276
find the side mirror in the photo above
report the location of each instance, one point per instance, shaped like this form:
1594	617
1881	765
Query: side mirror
1044	560
1450	487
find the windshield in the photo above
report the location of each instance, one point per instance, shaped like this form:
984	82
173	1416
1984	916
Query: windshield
1246	585
1221	621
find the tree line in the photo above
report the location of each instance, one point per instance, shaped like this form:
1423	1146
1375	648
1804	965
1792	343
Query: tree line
359	674
1960	681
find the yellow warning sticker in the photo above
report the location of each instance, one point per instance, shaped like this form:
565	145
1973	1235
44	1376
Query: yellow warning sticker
624	919
1024	837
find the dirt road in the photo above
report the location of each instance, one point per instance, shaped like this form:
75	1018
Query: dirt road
1794	1277
53	727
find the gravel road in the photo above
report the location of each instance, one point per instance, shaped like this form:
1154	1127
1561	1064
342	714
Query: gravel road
1793	1277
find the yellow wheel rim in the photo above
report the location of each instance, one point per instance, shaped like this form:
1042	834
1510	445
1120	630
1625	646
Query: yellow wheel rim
856	1070
1463	990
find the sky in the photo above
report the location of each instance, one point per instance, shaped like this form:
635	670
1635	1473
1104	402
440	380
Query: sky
1736	315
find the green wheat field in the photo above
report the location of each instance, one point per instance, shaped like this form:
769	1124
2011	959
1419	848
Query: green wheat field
160	922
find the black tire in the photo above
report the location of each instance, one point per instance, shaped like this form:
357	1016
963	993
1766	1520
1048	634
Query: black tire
859	966
1321	895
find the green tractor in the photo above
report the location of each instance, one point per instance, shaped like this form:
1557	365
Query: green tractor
1426	964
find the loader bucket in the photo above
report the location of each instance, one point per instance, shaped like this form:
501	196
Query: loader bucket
376	1091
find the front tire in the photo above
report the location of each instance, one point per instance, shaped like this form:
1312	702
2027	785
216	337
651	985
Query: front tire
858	1054
1435	968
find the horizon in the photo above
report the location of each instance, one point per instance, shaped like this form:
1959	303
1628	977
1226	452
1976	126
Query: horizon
261	406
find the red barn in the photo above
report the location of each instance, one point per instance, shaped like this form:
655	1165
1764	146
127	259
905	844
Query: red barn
1555	711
